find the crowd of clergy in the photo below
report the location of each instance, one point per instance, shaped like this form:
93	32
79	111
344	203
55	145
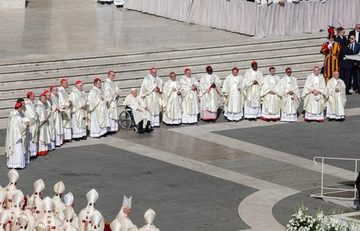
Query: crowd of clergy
56	213
36	128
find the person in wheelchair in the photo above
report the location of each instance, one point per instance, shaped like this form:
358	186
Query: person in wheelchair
141	113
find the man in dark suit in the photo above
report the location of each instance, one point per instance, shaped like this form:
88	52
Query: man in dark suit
356	33
340	37
355	47
346	66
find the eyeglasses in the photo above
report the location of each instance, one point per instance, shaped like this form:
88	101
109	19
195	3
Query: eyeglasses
351	38
288	72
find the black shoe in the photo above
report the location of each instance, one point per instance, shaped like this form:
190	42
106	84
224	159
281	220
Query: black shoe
348	93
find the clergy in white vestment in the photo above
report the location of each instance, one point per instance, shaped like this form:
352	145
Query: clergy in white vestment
270	99
65	106
140	112
149	217
85	214
253	81
39	186
78	111
151	93
314	95
4	219
2	199
112	94
44	134
29	208
15	210
22	115
16	142
48	218
124	213
209	95
189	88
336	95
172	101
58	125
67	224
98	107
69	205
13	176
59	206
25	222
233	91
49	104
288	89
32	131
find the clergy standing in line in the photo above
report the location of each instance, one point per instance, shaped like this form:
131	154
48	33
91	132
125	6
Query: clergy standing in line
44	135
98	107
270	99
172	101
78	111
336	94
253	81
288	89
112	94
190	93
210	85
140	112
151	93
58	125
16	142
65	105
49	106
233	90
314	95
32	131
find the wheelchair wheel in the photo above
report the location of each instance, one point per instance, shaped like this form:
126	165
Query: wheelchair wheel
125	120
135	129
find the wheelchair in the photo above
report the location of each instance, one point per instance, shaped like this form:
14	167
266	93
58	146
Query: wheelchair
126	120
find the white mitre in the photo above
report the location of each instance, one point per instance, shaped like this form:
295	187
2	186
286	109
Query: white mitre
149	216
48	204
23	220
115	225
69	199
126	203
39	186
59	188
13	176
4	218
17	197
92	196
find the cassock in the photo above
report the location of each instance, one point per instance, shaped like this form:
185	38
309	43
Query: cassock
172	102
209	96
44	134
289	103
16	142
99	116
233	88
112	92
314	105
78	114
252	104
58	125
32	131
190	103
65	108
136	103
48	107
271	102
153	100
331	50
336	100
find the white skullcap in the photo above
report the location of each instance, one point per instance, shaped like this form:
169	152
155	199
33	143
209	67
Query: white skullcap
133	89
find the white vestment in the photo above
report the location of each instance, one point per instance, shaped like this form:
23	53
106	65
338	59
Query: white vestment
172	102
59	128
336	100
74	219
252	105
125	222
49	105
51	222
190	104
271	102
152	100
149	227
136	103
32	131
314	105
233	88
99	115
289	103
84	219
112	92
209	96
16	143
65	112
79	114
44	134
